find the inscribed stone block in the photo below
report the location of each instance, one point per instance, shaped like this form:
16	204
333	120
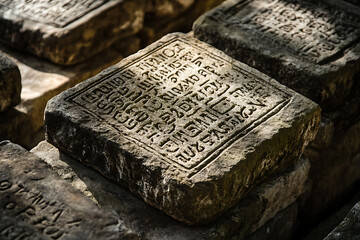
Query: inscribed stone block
313	48
41	80
258	209
183	125
10	83
67	32
36	202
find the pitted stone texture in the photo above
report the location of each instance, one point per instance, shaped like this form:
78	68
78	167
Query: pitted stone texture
312	48
184	126
67	32
349	228
10	83
35	202
261	206
42	80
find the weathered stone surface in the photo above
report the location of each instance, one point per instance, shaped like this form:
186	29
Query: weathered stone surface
257	209
36	202
280	227
10	83
349	228
183	125
156	27
312	48
334	171
325	227
68	32
42	80
166	8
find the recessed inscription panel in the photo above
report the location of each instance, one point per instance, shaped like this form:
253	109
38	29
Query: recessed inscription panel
54	12
316	32
182	102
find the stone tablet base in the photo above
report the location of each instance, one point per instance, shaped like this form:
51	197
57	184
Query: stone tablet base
35	203
42	80
270	206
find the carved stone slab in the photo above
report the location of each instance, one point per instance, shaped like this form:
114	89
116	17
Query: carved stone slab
263	203
182	125
313	48
66	32
35	203
10	83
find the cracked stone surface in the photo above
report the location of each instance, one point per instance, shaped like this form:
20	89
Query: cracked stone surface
184	126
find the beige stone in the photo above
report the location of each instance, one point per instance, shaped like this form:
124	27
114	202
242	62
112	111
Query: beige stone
184	126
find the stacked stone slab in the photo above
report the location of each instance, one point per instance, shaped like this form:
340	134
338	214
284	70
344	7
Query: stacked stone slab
68	32
165	16
10	83
314	48
190	130
95	33
272	200
37	204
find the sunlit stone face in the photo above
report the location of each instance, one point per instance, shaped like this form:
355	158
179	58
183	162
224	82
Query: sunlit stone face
182	125
182	102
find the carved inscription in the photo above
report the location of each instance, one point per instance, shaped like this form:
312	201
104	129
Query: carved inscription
182	102
27	205
317	33
54	12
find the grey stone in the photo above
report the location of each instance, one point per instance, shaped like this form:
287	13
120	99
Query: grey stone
183	125
280	227
37	204
349	228
10	83
257	209
67	32
334	171
158	24
312	48
41	80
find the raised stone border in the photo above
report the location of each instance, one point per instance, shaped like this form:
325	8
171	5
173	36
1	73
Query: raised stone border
159	147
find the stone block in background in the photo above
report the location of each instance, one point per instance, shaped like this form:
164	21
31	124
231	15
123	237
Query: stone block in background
270	205
184	126
166	16
355	2
311	48
334	156
349	228
67	32
42	80
35	203
10	83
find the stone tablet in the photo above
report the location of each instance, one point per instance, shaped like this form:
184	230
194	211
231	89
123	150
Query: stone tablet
66	32
261	205
182	125
35	203
314	48
10	83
